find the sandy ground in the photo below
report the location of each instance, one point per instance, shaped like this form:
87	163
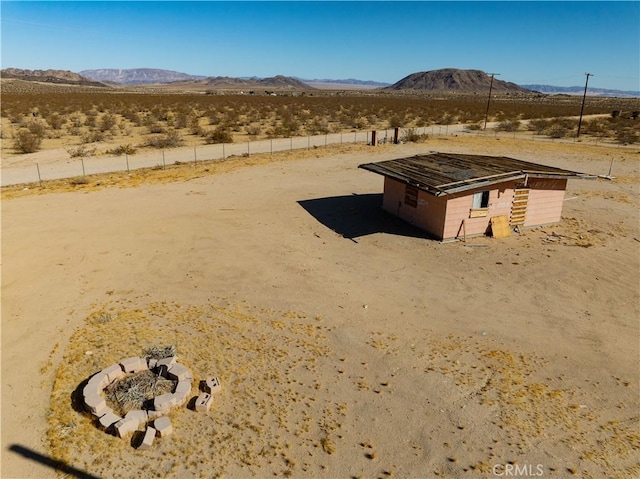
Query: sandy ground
348	344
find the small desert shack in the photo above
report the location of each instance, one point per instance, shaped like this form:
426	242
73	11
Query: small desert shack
450	195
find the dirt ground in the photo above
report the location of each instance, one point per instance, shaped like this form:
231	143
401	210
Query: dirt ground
347	343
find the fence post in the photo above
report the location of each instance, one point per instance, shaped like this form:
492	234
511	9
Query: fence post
126	156
271	146
248	150
224	157
164	165
39	178
82	161
291	143
308	142
195	156
355	137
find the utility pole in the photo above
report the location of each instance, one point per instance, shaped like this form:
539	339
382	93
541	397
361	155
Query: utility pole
584	97
486	116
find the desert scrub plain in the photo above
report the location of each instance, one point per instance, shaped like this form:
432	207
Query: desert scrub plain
383	355
93	121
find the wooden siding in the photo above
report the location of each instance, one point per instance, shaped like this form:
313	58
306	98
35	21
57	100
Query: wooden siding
459	208
428	214
546	198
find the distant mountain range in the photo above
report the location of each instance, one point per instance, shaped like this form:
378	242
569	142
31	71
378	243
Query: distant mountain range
278	81
141	76
348	81
579	90
449	80
50	76
137	76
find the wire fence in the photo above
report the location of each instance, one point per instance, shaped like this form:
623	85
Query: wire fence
75	167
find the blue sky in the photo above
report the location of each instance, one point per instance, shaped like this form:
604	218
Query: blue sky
553	43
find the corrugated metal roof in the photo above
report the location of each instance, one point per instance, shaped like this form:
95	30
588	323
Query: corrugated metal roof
447	173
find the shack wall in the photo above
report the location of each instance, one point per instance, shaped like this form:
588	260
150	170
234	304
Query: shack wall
442	217
428	214
459	208
546	198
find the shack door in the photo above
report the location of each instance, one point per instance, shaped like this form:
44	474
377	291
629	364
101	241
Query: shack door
519	206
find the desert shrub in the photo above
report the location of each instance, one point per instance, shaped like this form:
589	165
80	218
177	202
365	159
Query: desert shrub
121	150
289	126
148	120
554	127
473	126
396	121
81	151
16	117
359	122
557	130
91	118
24	141
318	125
56	121
36	127
420	122
412	135
253	130
446	119
156	127
219	135
76	121
107	121
79	180
133	116
193	123
170	139
508	125
500	116
596	127
561	127
538	125
93	136
170	118
215	117
627	136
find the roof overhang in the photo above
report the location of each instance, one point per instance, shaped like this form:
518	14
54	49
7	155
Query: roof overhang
388	169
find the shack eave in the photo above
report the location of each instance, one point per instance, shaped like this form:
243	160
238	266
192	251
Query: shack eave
446	173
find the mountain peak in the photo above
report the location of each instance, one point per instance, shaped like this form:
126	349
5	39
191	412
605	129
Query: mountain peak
455	80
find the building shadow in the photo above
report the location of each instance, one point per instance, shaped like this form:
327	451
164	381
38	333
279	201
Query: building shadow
353	216
55	464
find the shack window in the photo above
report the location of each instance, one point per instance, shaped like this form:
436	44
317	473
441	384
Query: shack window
411	196
480	200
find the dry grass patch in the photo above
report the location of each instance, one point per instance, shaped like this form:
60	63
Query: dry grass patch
269	411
